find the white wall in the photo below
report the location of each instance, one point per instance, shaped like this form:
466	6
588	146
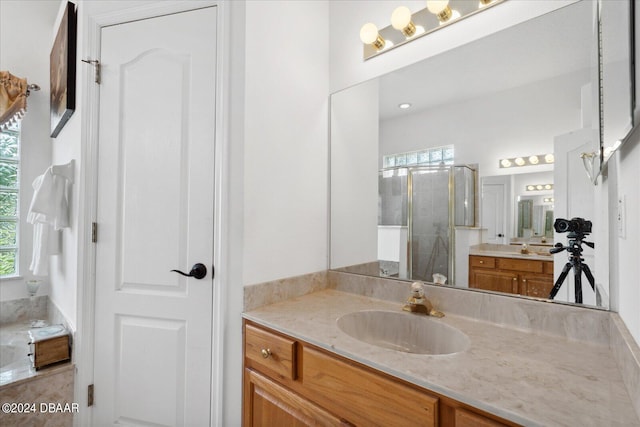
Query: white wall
511	123
26	54
63	271
285	139
354	175
628	247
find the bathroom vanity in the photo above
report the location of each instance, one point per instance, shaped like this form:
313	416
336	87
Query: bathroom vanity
287	380
301	367
504	268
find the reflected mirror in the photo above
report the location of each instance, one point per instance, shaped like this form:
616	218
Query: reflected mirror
454	169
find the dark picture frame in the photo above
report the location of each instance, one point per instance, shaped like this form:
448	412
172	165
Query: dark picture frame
62	66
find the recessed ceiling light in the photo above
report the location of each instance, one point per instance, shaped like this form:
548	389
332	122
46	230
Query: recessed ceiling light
404	105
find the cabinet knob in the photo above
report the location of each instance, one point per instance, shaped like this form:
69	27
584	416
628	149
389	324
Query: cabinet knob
266	353
481	262
524	280
515	278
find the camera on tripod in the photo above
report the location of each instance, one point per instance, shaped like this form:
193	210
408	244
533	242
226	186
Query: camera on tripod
577	229
575	225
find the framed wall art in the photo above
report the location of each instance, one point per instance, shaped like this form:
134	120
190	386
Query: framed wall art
62	63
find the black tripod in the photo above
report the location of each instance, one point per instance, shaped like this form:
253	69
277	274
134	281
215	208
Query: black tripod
575	262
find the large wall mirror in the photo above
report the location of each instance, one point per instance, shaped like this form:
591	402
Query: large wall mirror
455	169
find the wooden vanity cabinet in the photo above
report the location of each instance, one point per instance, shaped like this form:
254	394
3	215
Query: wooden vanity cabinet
288	382
532	278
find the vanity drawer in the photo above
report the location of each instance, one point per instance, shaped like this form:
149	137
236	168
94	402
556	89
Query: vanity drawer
483	261
361	396
529	266
270	351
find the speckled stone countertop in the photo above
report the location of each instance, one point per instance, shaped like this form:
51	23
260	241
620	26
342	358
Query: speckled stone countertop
525	377
540	253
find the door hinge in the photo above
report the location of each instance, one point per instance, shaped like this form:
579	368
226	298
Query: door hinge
94	232
90	395
96	66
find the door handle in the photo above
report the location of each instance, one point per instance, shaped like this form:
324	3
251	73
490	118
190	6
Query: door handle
198	271
500	235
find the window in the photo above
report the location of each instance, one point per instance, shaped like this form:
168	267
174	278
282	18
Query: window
431	156
9	199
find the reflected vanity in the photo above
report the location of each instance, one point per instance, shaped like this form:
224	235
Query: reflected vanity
529	89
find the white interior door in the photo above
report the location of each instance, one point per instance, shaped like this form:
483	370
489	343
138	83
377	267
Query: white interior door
155	213
570	179
494	210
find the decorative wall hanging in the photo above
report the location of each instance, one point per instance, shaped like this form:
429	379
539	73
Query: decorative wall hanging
62	63
13	98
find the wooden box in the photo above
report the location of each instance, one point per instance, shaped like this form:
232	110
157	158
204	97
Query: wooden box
49	345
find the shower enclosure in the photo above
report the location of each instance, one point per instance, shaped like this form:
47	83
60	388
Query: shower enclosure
418	210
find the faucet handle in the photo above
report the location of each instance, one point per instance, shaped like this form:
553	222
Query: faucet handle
417	291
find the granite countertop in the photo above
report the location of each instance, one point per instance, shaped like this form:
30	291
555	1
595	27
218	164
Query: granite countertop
525	377
540	253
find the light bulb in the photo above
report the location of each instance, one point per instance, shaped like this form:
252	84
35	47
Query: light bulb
401	21
549	158
530	187
437	6
441	9
539	187
404	105
534	160
548	186
369	35
505	163
519	161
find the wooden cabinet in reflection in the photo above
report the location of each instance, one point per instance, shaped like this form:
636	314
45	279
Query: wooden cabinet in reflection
533	278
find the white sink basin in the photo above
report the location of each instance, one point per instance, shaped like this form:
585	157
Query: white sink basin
401	331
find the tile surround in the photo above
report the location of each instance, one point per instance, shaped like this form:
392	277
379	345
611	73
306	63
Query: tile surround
572	323
23	309
53	385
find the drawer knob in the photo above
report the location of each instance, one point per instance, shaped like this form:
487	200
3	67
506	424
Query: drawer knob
515	278
481	262
266	353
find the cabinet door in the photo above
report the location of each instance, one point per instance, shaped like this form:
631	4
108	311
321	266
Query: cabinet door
494	281
536	285
268	404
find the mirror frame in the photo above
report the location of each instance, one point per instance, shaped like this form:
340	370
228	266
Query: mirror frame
634	109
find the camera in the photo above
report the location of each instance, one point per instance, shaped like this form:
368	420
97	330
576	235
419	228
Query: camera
576	225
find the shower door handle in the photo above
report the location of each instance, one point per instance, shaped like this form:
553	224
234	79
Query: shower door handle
500	235
198	271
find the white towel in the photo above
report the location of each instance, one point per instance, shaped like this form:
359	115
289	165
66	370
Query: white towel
49	211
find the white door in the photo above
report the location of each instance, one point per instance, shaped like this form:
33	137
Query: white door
494	211
155	213
570	180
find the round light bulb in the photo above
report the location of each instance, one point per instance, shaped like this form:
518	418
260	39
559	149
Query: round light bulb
530	187
368	33
538	187
549	158
547	187
534	160
505	163
401	17
437	6
519	161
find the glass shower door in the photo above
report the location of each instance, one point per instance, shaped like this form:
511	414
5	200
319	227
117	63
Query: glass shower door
429	219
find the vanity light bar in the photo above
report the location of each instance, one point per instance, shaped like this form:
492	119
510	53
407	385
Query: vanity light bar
407	26
537	159
538	187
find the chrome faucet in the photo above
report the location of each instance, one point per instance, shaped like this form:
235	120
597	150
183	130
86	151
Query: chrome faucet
418	303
